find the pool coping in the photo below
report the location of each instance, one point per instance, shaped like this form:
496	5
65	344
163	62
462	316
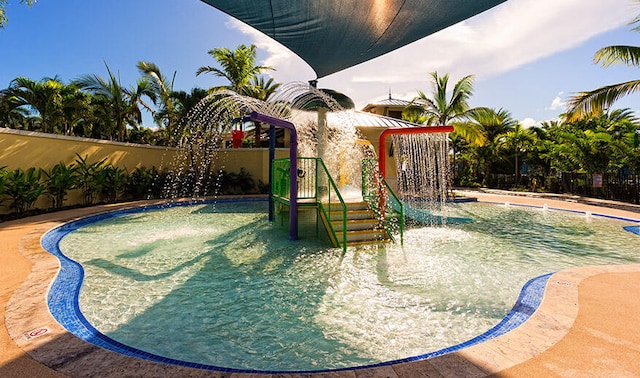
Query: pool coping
27	312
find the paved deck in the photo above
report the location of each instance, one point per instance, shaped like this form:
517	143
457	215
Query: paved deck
587	324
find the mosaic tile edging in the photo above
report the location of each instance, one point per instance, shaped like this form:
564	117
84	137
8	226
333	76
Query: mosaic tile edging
63	295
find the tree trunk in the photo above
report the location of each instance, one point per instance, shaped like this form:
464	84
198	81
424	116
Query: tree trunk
517	168
257	143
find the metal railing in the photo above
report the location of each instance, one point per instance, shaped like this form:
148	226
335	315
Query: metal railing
280	174
315	186
328	193
382	199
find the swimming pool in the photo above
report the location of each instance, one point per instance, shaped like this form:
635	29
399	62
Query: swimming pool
374	304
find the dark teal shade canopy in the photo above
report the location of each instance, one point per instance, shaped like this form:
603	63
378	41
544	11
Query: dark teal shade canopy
331	35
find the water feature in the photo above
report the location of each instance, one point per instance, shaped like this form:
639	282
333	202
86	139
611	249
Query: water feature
324	127
422	166
240	295
423	172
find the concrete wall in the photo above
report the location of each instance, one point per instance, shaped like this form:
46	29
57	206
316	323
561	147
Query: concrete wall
25	149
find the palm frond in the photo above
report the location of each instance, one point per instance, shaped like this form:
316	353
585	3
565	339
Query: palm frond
610	55
472	133
597	101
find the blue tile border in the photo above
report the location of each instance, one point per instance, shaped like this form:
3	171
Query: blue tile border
632	229
64	292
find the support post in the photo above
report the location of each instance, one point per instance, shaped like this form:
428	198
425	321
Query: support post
293	167
272	156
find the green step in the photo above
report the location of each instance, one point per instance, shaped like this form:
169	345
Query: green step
364	236
356	224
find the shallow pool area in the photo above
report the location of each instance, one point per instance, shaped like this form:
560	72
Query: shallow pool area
211	283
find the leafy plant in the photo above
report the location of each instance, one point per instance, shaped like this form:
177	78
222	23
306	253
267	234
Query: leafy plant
236	183
3	172
112	181
89	179
59	181
23	188
145	183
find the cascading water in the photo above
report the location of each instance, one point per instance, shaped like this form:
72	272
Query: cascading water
200	137
324	127
422	166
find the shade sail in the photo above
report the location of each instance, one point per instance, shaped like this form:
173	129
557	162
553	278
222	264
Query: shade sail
331	35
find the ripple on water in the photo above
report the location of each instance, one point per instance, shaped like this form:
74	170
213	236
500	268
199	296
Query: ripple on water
224	287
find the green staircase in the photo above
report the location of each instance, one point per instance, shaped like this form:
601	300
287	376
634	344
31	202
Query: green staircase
347	223
362	225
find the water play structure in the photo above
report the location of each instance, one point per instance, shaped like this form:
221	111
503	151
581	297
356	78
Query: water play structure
382	143
331	175
305	181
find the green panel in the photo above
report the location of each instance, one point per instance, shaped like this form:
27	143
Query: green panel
331	35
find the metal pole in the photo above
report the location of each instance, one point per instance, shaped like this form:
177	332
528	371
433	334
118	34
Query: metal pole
272	155
293	167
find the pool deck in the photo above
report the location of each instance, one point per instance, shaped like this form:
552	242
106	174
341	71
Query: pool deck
586	326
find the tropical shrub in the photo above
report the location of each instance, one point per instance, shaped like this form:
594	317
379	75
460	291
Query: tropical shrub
59	181
111	181
23	188
89	178
144	183
236	183
3	172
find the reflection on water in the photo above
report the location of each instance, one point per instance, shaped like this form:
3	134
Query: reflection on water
217	284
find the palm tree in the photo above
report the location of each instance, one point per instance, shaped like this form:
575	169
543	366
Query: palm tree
438	109
44	96
75	109
167	115
466	135
121	104
625	146
494	124
12	114
262	90
134	95
517	140
238	67
597	101
185	102
3	14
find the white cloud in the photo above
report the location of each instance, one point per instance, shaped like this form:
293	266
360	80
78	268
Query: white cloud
557	103
528	122
508	36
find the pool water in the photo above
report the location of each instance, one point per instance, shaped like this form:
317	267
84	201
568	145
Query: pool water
217	284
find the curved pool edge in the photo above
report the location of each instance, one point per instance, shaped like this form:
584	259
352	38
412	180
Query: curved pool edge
548	326
63	298
27	310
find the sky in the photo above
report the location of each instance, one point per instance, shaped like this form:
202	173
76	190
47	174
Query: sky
527	56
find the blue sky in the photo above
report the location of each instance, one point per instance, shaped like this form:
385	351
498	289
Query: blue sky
528	56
